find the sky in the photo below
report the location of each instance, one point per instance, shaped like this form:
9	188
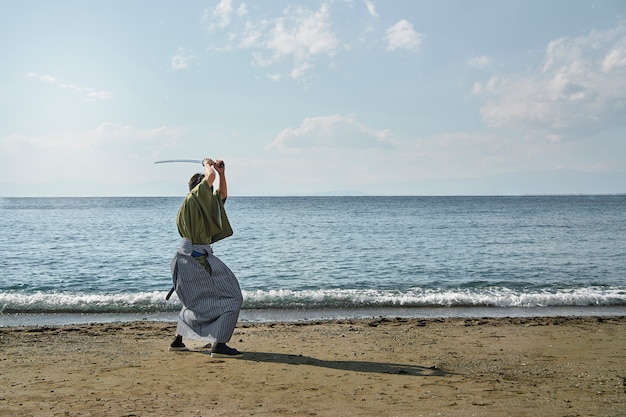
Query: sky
313	97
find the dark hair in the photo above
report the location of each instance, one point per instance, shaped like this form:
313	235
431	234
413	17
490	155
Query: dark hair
195	180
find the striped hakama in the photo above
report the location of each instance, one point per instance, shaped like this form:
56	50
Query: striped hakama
211	300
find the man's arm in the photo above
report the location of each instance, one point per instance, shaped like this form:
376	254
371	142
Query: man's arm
220	167
209	172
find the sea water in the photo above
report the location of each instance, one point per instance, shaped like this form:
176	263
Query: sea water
303	258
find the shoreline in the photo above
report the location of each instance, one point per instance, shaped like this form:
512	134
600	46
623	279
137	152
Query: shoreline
305	315
345	367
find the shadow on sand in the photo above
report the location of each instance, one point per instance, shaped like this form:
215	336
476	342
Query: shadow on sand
345	365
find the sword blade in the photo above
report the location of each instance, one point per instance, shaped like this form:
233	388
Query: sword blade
193	161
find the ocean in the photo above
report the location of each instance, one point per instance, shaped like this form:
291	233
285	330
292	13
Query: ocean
72	260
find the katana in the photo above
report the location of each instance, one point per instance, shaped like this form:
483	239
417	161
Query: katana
193	161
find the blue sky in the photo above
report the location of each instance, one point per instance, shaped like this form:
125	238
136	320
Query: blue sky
312	97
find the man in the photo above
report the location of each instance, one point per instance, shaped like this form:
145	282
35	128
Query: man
207	288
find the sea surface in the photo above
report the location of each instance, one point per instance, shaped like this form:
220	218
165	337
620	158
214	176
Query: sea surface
68	260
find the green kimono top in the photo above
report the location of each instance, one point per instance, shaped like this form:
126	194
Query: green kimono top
201	217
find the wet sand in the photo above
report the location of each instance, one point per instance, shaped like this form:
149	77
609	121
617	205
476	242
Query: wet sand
550	366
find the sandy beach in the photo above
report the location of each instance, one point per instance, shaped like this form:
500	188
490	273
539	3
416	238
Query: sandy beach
556	366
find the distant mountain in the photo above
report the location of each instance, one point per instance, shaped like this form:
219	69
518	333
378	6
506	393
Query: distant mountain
558	182
531	182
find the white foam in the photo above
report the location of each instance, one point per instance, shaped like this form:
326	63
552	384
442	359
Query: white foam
42	302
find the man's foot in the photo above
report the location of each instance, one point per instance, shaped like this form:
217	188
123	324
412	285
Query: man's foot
220	350
178	345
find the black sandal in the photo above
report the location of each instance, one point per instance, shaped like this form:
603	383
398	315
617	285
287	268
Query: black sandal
220	350
178	345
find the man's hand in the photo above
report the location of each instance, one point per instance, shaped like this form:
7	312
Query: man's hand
219	166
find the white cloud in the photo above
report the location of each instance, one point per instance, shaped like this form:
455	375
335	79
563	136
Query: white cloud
331	132
403	36
42	77
615	59
108	153
88	94
300	34
222	12
181	59
371	8
103	135
300	69
579	90
479	62
242	10
298	38
221	16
